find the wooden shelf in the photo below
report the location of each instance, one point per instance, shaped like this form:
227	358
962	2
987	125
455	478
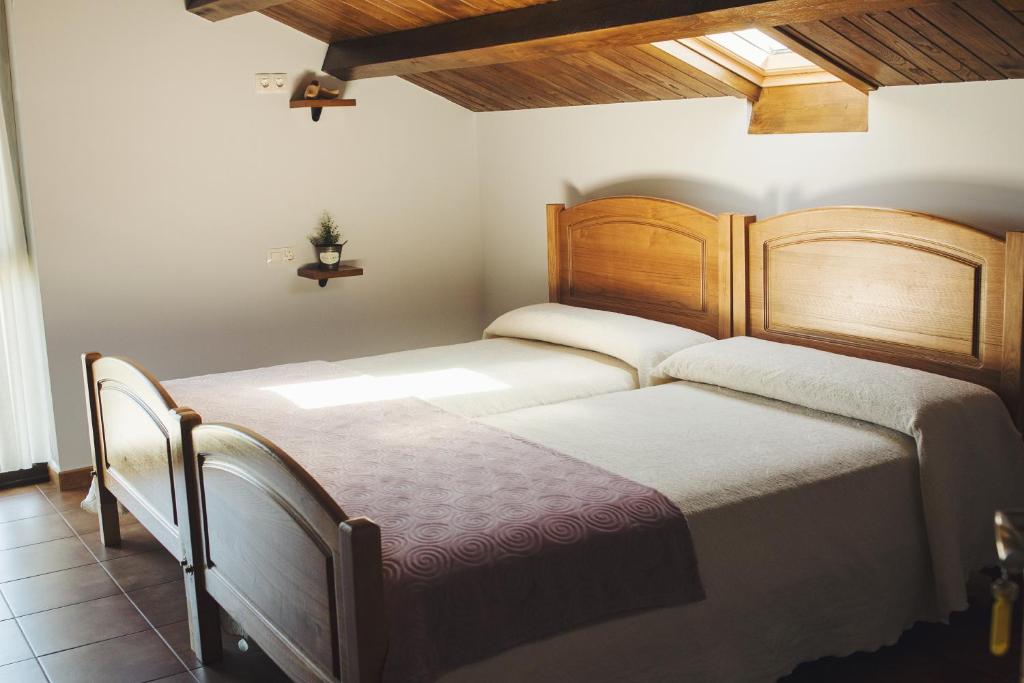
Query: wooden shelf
300	104
313	271
316	106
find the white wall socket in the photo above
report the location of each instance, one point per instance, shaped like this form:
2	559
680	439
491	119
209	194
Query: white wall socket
280	255
269	83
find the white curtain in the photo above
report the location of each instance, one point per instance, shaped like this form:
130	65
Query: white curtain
26	413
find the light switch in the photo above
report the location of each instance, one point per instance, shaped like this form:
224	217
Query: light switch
270	83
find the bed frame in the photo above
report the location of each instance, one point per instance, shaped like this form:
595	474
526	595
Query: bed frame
258	537
895	286
649	257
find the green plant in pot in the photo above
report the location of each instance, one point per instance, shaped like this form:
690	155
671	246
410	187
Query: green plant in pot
327	242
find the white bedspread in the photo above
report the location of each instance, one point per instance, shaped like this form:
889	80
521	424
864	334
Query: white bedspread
809	531
489	376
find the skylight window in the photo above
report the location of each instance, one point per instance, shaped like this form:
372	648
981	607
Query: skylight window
759	50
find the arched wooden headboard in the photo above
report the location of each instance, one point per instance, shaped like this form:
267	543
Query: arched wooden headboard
896	286
648	257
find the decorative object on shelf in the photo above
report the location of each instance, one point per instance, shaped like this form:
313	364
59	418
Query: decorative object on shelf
327	242
316	96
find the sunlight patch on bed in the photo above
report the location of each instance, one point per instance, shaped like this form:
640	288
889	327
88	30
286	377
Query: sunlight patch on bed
367	388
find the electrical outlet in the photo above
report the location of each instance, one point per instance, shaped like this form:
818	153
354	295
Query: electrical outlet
270	83
280	255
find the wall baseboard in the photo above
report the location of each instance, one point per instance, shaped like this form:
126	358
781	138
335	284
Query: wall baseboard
70	480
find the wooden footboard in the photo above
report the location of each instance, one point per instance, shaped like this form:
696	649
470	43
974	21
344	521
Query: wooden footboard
302	578
142	453
136	443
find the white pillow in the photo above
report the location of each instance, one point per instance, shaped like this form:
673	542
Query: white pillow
888	395
640	342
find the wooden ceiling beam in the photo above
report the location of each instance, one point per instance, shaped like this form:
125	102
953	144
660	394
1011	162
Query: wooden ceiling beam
215	10
567	27
843	73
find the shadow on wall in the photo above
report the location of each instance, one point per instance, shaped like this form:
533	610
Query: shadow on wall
711	197
991	207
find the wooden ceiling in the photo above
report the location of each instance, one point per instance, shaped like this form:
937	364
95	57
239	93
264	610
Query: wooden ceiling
609	58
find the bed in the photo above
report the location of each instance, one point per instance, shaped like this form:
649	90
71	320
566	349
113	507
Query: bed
947	299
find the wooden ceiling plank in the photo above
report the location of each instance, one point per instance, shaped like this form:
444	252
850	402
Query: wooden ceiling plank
441	89
614	63
923	25
530	85
476	81
696	79
586	62
567	27
906	49
723	79
855	33
975	37
993	16
659	71
819	57
850	54
216	10
926	46
576	82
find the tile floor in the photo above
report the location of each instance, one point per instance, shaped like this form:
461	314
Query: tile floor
74	611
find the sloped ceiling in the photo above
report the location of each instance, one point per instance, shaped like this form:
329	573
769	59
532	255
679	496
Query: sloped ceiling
919	43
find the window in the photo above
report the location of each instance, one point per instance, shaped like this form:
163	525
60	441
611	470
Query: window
754	55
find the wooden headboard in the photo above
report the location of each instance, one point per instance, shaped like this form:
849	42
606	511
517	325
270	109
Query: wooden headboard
652	258
895	286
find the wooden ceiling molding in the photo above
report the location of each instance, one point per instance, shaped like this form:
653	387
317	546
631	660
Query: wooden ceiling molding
567	27
494	55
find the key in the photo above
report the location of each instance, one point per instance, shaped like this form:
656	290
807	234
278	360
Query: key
1004	594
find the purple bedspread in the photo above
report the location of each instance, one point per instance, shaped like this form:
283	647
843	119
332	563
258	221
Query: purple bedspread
489	540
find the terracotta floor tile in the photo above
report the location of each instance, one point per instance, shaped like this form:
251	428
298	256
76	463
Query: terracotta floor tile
26	671
146	569
134	540
66	500
51	556
58	589
177	637
163	603
33	530
28	504
81	521
186	677
81	624
129	659
17	491
13	647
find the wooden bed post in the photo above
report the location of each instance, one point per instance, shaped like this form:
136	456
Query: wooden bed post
203	611
740	287
725	302
110	525
1011	383
554	212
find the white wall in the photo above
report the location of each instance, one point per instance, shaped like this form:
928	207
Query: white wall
157	179
953	150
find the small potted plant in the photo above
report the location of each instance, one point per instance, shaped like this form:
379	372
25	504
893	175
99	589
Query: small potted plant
327	242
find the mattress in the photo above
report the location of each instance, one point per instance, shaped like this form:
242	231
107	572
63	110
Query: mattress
807	526
489	376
